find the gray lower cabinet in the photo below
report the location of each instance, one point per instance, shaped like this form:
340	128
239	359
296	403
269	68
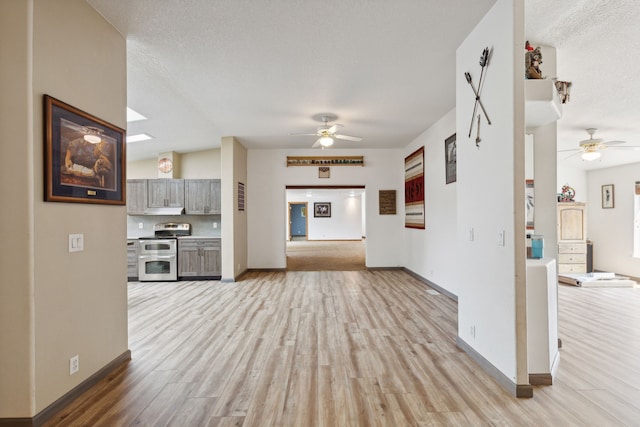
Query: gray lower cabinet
199	258
132	260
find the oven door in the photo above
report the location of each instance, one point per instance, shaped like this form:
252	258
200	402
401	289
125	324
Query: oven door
158	260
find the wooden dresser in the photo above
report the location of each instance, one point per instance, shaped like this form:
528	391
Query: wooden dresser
572	238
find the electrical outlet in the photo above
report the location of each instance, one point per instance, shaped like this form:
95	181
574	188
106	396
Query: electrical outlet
473	332
74	364
215	225
471	234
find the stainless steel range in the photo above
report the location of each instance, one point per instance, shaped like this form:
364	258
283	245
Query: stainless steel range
158	255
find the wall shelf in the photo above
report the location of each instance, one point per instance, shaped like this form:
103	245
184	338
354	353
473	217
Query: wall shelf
542	103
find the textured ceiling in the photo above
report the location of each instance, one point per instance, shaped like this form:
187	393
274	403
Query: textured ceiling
203	69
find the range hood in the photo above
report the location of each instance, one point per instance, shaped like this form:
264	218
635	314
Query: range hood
164	211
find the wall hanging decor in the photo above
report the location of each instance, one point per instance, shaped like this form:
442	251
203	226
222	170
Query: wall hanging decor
450	159
387	202
484	63
414	190
607	197
84	156
322	210
325	161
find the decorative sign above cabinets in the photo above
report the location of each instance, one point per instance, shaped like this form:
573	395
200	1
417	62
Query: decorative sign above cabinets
325	161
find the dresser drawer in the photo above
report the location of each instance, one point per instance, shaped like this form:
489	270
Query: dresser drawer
572	248
572	268
572	258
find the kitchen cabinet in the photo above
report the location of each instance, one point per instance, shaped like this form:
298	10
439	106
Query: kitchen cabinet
199	258
202	196
572	238
136	196
132	260
165	193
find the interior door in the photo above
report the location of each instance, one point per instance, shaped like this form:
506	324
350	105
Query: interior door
297	221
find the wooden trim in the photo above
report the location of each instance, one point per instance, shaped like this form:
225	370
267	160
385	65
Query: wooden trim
431	284
540	379
16	422
47	413
518	390
324	187
266	270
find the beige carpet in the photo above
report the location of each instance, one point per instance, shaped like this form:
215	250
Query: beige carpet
325	256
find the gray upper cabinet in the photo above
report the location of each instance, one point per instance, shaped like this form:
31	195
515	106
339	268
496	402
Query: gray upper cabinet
202	196
165	193
136	196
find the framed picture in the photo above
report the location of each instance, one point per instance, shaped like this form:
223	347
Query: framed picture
529	203
324	172
84	156
322	210
607	196
450	159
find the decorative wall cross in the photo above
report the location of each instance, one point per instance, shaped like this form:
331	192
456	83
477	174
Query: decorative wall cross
484	62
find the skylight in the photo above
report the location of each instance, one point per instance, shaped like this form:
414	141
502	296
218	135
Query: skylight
139	137
134	116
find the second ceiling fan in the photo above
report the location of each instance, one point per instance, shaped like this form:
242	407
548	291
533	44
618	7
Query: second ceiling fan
591	149
326	133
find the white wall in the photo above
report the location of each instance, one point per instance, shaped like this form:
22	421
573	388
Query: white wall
574	178
268	177
611	230
433	252
490	194
345	222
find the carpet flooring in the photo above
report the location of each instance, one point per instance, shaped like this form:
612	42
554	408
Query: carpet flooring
325	255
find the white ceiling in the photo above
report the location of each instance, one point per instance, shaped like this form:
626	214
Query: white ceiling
204	69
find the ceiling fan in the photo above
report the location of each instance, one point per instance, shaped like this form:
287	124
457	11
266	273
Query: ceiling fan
590	149
327	133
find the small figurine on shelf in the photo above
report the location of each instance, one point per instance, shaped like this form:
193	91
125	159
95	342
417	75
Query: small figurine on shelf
567	194
533	59
564	89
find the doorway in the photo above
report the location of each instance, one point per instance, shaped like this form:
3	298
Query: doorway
325	228
298	224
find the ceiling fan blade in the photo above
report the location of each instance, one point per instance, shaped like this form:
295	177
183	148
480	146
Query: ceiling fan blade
334	128
613	143
348	138
303	134
629	147
316	144
574	154
572	149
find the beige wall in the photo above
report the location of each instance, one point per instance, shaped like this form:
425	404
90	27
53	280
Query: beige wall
16	186
61	304
203	164
234	223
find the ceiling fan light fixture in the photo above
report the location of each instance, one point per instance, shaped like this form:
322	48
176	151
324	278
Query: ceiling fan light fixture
590	155
326	141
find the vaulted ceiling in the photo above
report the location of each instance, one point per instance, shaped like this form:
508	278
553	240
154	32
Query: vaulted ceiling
204	69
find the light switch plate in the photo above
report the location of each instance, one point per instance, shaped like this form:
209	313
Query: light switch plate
76	242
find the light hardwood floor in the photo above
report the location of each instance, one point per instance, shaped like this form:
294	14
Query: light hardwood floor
356	348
